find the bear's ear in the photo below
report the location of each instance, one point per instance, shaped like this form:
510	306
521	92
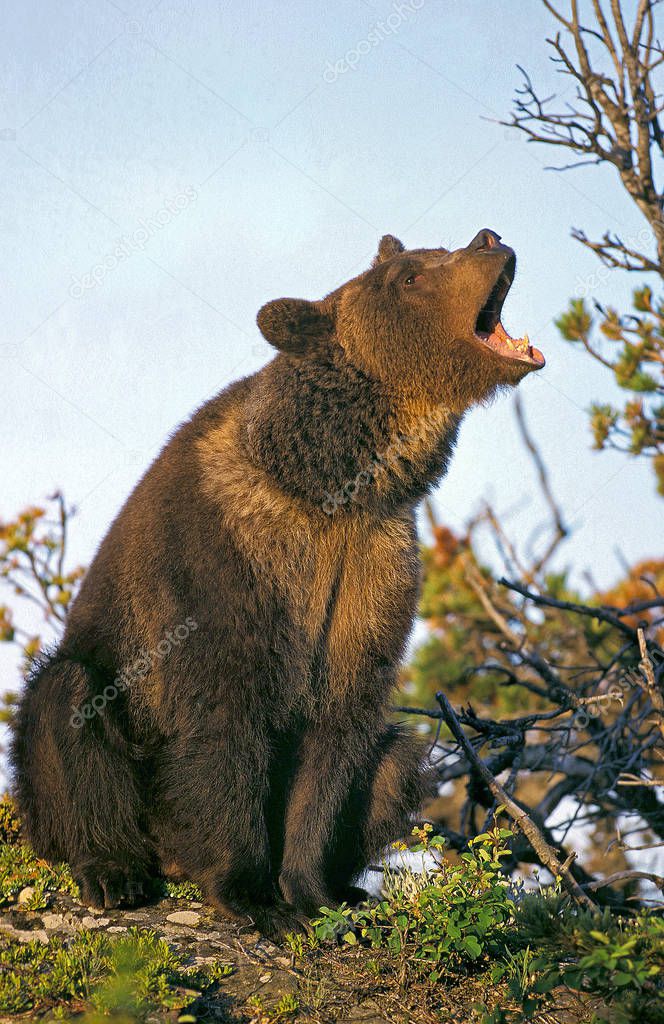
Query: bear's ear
295	326
388	247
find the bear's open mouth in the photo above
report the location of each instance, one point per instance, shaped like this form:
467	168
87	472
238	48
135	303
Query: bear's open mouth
490	331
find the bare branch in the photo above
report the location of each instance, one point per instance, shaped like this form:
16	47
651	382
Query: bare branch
615	118
547	855
626	876
599	613
561	530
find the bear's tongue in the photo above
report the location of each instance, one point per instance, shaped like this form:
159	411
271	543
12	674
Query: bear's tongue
514	348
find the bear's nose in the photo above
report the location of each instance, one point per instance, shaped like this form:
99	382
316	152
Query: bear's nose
485	239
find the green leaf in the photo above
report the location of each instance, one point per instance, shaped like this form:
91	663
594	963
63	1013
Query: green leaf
472	946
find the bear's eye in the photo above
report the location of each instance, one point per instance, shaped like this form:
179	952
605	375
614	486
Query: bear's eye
412	279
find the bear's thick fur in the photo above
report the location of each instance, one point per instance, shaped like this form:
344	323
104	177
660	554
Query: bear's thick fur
217	708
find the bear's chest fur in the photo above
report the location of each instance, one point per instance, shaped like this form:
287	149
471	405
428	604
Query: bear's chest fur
348	579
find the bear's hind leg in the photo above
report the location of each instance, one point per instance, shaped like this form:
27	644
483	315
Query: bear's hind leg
76	786
398	790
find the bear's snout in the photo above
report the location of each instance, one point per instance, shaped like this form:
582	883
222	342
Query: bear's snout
485	239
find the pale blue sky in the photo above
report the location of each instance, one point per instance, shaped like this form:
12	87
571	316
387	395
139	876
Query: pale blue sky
287	173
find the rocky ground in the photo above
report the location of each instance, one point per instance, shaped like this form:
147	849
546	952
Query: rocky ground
174	961
265	984
261	984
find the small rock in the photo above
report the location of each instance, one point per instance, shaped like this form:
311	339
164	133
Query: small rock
195	906
187	917
117	928
26	894
24	936
264	978
93	922
53	921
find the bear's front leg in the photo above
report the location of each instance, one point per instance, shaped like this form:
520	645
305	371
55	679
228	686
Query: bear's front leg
379	809
213	785
331	759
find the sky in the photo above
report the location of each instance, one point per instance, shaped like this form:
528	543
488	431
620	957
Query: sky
236	152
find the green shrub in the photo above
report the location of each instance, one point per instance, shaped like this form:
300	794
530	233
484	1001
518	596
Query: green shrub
618	960
183	891
437	921
10	826
455	918
19	868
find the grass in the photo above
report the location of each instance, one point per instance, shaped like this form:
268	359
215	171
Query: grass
131	975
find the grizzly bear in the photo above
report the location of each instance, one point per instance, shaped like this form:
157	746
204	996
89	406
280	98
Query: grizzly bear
218	707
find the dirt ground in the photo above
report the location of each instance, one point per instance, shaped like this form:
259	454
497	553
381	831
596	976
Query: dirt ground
341	985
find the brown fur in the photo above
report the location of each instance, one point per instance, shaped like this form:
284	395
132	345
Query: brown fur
276	528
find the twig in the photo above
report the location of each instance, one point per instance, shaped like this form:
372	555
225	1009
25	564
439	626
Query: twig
602	614
545	852
620	876
561	530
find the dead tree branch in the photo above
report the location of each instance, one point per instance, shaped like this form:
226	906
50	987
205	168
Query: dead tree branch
614	119
547	855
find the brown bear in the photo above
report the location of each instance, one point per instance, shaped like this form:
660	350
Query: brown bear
218	706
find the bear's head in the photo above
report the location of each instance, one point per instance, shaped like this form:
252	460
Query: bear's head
424	322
